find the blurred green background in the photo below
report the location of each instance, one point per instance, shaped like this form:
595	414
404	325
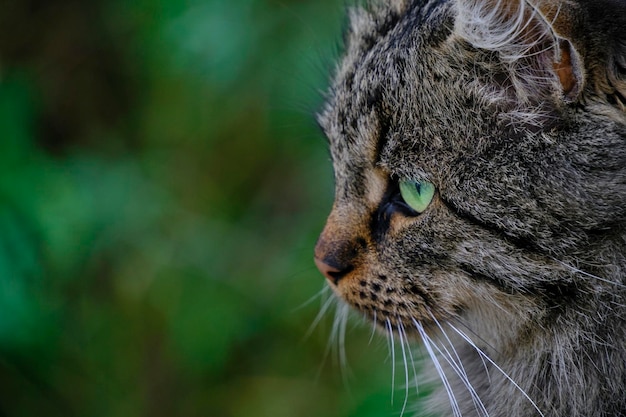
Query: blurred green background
162	185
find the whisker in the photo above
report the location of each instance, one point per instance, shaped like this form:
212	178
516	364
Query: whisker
392	350
403	341
587	274
323	309
459	369
483	354
343	359
374	321
427	344
412	364
482	340
321	293
331	344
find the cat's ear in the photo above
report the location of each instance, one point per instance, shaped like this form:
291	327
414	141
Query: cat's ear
533	41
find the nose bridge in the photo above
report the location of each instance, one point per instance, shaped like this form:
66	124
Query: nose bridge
338	246
335	235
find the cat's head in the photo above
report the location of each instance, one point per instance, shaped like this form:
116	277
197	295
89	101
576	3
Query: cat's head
479	151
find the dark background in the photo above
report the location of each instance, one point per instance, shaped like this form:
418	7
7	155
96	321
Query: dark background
162	185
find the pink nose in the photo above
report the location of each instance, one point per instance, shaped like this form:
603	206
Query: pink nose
330	272
325	269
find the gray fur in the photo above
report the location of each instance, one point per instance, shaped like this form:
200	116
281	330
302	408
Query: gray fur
523	248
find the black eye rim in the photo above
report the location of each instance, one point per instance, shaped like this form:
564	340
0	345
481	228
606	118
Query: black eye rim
393	202
390	204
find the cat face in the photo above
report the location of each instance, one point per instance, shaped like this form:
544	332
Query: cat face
523	182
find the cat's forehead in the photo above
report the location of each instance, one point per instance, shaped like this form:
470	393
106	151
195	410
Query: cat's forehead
373	96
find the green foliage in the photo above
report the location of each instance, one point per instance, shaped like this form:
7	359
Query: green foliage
162	184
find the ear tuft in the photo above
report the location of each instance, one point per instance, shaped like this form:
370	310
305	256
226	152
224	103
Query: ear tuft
539	60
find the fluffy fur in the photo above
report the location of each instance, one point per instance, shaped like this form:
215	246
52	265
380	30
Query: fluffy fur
514	276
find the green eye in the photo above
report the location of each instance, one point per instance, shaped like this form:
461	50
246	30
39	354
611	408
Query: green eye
417	194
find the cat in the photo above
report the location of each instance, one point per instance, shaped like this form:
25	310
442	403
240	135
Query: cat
479	155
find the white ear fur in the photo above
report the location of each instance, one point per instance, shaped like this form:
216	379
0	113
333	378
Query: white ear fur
526	41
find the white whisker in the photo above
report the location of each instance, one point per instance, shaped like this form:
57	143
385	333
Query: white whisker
427	344
321	293
337	339
343	360
374	321
587	274
403	342
457	366
333	338
483	354
392	350
330	300
412	364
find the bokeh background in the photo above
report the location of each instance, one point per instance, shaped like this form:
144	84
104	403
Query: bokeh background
162	185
